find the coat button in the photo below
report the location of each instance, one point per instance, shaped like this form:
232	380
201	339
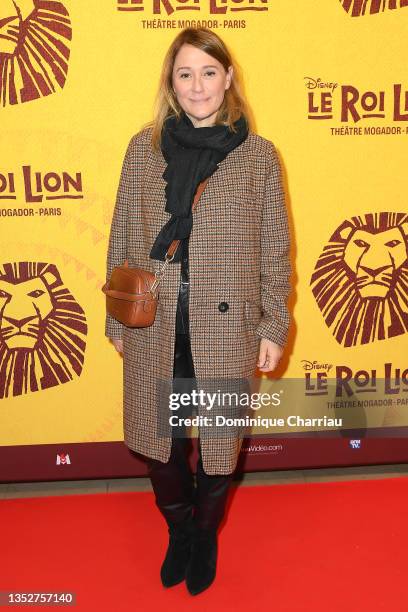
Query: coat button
223	306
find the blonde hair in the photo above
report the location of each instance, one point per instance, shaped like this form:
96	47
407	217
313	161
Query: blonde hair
234	104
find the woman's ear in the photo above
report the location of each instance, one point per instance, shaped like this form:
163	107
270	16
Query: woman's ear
230	72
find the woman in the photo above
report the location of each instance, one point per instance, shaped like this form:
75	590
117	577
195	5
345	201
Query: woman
222	301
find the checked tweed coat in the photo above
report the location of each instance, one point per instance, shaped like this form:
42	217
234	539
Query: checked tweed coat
238	253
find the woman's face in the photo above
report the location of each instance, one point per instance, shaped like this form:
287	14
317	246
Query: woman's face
199	82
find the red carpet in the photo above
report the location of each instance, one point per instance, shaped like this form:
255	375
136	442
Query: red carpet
296	547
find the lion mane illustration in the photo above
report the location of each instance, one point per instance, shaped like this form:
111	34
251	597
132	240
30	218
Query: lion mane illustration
358	8
42	329
34	52
360	281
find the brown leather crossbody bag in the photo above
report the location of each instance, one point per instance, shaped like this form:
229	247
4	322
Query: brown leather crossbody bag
132	293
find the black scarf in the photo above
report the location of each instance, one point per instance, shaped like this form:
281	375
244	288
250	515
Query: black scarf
192	154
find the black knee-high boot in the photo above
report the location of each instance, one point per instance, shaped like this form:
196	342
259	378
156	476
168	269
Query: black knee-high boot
173	482
211	498
173	486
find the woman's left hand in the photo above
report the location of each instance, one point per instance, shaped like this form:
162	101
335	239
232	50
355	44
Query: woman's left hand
269	355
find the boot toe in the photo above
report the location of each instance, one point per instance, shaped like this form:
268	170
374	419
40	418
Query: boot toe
173	569
201	569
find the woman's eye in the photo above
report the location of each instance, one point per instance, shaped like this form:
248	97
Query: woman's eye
187	74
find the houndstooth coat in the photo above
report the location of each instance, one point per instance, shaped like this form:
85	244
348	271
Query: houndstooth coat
238	254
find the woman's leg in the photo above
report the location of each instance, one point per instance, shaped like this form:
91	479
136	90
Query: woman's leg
173	482
211	497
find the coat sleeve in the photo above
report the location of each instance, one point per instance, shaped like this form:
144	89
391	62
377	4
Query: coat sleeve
275	262
117	248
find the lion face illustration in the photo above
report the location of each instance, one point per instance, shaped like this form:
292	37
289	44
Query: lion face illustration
360	281
375	260
357	8
42	329
33	49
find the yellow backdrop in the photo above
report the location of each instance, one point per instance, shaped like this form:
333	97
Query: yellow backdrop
83	87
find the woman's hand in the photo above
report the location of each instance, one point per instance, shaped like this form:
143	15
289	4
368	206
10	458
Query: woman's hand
118	344
269	355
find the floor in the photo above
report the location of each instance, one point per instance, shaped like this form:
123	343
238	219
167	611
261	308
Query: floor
74	487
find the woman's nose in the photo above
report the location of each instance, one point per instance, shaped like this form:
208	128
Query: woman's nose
197	83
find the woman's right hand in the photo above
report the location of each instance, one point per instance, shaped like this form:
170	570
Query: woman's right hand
118	344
